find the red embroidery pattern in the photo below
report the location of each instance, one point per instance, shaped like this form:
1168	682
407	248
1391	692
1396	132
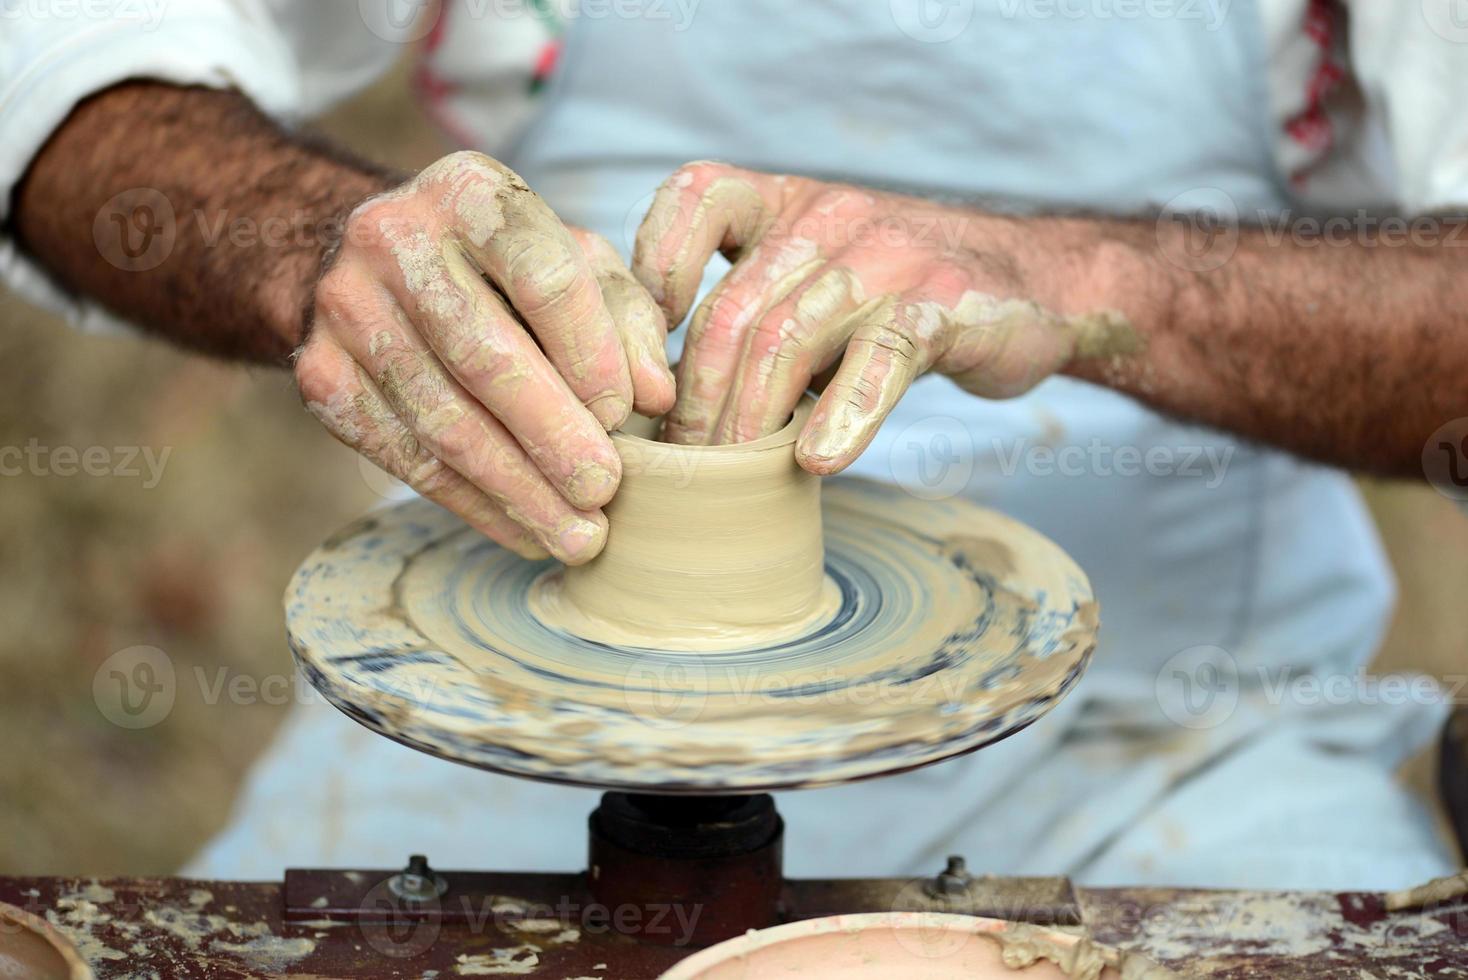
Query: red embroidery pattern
1311	127
433	90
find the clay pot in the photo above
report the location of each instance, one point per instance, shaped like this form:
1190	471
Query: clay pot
911	945
33	949
711	547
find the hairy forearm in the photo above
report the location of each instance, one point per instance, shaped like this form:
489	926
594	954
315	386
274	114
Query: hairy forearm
1349	349
190	213
1351	353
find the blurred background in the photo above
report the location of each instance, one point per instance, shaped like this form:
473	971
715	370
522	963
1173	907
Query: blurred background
194	564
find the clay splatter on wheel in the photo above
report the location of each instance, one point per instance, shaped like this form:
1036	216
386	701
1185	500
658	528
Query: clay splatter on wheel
922	630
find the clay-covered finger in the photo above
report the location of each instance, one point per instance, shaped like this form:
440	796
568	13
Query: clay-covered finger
893	341
719	335
356	412
792	342
477	338
640	322
454	428
344	399
510	234
701	209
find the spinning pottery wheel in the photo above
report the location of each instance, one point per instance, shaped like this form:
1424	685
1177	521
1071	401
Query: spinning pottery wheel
715	647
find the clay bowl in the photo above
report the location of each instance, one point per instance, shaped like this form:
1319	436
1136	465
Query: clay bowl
883	945
32	949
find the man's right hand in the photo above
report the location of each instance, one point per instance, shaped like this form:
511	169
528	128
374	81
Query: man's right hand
473	346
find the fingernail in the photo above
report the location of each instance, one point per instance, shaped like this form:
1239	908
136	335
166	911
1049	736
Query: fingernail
591	485
610	409
580	540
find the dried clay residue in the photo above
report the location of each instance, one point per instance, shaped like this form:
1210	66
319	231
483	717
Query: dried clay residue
80	912
1022	946
506	961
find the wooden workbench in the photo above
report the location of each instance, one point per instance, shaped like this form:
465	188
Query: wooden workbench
168	928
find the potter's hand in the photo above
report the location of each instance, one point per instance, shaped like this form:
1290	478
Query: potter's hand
424	357
892	286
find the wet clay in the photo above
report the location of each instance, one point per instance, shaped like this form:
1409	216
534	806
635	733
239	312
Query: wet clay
746	628
1437	890
711	548
1022	946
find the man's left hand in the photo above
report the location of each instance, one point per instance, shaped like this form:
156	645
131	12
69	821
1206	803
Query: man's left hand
892	286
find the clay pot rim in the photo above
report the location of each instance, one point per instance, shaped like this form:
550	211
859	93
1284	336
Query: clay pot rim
775	440
757	940
76	966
